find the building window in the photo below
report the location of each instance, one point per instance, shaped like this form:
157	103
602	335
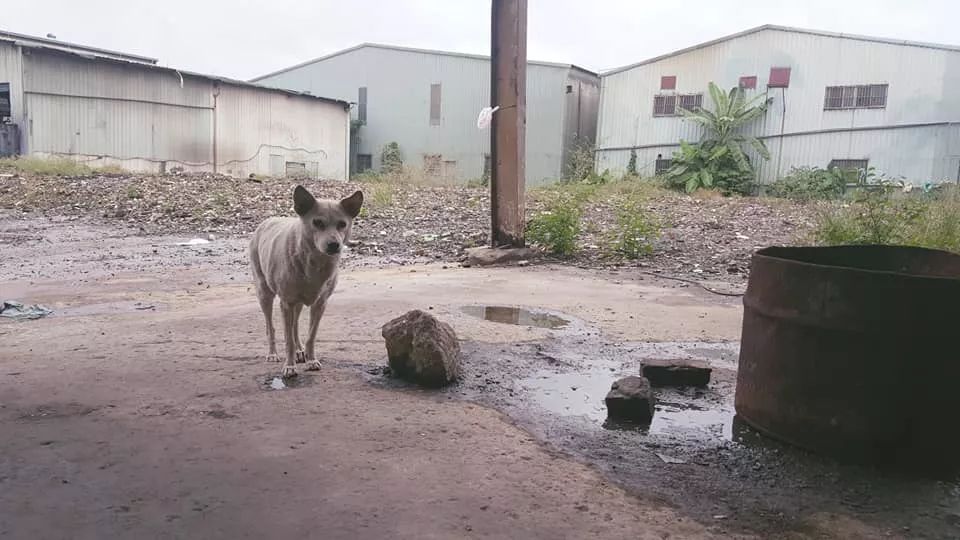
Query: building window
449	170
748	82
431	165
779	77
691	102
668	82
296	169
6	110
364	162
435	104
662	165
863	96
362	105
848	164
664	105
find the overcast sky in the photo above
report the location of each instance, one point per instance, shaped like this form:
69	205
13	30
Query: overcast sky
245	38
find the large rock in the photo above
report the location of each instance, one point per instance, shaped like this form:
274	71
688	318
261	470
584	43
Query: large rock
630	399
487	256
676	372
422	349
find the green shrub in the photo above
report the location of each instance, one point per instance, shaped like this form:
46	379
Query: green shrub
810	183
391	159
44	166
557	226
632	164
876	217
709	166
634	232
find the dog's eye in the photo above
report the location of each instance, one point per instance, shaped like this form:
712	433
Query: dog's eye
341	225
318	223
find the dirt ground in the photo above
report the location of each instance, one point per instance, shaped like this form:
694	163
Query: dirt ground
139	409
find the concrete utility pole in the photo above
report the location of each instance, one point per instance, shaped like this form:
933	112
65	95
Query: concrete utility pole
508	90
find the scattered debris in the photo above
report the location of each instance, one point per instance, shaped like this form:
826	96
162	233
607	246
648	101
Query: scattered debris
631	399
676	372
715	233
670	459
277	384
194	242
487	256
422	349
18	311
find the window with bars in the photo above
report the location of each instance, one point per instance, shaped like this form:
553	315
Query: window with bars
432	164
662	166
691	102
364	162
863	96
664	105
848	164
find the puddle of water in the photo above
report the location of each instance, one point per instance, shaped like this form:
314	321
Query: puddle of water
516	316
684	413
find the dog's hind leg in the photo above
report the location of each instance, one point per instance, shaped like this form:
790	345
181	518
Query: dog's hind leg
266	305
297	309
289	327
316	313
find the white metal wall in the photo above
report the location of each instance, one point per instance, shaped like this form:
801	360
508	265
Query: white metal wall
398	106
11	70
253	125
920	91
143	118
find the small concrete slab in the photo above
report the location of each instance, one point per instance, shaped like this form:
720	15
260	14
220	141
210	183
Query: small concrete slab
676	372
488	256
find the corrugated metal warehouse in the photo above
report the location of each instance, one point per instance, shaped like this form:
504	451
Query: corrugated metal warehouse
427	102
104	107
836	99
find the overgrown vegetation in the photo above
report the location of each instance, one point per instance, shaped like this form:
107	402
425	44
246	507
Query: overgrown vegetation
632	164
557	226
635	232
391	159
54	166
880	217
810	183
559	223
719	160
579	163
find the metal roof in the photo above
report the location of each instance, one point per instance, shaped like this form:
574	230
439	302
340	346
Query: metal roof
177	72
413	50
791	29
73	47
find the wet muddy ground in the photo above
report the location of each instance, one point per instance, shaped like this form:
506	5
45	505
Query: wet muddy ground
142	408
696	454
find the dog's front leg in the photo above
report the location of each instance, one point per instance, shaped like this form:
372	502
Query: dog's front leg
289	337
301	358
316	313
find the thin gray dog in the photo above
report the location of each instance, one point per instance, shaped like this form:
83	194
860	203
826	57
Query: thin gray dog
296	258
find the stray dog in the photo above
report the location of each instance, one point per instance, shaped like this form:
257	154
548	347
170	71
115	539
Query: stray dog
296	258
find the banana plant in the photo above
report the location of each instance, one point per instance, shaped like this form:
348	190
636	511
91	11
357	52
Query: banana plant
719	157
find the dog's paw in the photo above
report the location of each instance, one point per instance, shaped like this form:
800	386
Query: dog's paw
273	358
301	357
313	365
288	371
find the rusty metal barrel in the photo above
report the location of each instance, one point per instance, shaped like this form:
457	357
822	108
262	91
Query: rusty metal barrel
854	351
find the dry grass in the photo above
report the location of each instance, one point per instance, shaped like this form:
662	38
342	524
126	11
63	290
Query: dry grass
54	166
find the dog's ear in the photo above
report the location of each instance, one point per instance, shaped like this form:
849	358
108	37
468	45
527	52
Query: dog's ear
303	201
351	205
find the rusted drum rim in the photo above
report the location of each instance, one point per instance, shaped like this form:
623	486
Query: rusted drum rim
849	351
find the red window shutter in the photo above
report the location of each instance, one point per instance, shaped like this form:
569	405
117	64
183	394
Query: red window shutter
748	82
668	82
779	77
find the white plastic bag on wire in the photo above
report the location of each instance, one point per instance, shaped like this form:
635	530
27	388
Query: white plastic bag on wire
486	116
